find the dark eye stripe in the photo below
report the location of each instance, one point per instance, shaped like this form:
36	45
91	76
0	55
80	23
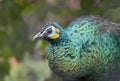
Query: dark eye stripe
49	30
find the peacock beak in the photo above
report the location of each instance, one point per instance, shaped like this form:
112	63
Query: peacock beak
38	35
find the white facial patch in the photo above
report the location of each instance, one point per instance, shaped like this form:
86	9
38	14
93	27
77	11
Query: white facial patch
53	31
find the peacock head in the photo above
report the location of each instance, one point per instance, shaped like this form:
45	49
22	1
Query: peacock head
50	31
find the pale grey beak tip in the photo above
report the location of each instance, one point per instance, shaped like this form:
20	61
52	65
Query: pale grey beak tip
36	36
33	38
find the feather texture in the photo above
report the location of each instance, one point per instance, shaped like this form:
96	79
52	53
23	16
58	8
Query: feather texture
87	50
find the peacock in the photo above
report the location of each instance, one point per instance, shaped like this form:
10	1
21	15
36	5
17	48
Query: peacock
87	50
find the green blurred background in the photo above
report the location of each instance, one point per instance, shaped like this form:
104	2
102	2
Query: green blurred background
21	59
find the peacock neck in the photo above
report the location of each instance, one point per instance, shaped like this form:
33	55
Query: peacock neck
62	58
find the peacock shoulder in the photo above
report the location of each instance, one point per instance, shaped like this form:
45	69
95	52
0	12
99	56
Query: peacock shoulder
88	27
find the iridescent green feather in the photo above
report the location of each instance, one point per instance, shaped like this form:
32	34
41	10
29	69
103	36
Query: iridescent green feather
89	49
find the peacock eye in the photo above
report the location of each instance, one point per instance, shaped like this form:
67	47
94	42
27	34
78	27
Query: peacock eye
49	31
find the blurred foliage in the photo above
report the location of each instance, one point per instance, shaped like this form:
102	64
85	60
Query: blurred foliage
13	33
28	70
20	18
